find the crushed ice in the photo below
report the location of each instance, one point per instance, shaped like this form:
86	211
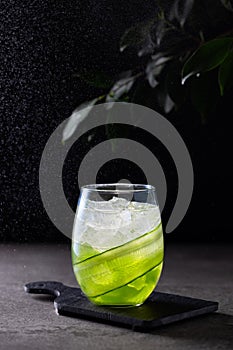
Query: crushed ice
107	224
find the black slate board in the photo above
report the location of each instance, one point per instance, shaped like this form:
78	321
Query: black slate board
159	309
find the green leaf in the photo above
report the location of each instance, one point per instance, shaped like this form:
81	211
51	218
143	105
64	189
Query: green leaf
154	68
205	93
160	31
180	10
168	104
76	118
136	35
163	98
225	73
147	47
120	88
207	57
228	4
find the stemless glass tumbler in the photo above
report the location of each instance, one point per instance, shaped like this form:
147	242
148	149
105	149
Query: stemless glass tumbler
117	243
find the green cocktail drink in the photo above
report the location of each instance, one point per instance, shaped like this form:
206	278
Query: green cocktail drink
117	251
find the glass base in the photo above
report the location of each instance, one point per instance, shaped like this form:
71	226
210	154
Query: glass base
116	306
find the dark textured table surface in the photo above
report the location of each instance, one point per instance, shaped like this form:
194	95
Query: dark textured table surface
30	322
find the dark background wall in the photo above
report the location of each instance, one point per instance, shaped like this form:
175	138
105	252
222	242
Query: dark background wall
44	44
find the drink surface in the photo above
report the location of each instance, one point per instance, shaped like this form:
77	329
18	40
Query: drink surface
117	251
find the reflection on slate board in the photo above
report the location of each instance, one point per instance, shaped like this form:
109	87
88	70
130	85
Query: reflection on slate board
159	309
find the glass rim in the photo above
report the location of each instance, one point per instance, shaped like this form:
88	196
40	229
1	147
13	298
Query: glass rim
129	187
